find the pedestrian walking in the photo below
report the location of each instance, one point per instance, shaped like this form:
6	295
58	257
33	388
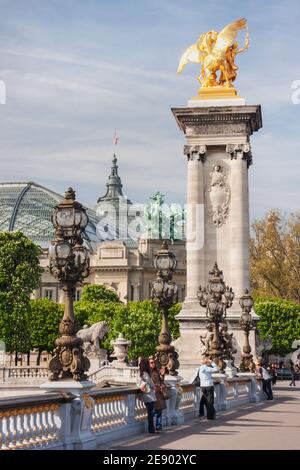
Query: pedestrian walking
266	380
157	377
147	387
294	375
273	373
207	368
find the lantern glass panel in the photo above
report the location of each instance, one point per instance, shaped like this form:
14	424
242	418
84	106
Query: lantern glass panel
248	303
245	318
78	215
81	255
65	217
63	250
216	287
52	251
163	263
84	220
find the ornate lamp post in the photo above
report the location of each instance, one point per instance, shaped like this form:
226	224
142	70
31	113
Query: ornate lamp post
216	298
246	324
69	262
165	294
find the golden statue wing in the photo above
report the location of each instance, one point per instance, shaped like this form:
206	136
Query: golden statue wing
192	54
228	34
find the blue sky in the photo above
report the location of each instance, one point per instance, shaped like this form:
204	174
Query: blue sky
76	70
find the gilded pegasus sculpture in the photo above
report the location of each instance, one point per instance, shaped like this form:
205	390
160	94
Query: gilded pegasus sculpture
216	53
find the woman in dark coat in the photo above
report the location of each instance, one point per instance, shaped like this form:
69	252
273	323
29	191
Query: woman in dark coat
157	377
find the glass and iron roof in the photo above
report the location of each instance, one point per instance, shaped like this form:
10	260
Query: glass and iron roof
27	207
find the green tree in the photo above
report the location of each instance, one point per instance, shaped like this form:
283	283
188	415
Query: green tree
98	293
19	275
44	318
279	321
140	322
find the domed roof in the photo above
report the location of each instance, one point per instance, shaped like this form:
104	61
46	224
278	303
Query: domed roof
27	207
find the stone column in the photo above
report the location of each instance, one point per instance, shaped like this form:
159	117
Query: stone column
195	221
239	227
136	292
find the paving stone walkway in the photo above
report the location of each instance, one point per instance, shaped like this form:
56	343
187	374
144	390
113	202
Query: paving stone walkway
265	425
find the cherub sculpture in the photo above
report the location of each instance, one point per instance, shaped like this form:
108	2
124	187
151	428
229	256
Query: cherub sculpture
216	52
206	340
227	341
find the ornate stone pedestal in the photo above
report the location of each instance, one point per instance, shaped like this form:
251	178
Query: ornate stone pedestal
218	156
77	418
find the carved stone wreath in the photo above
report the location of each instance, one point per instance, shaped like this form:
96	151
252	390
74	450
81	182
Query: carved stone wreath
219	195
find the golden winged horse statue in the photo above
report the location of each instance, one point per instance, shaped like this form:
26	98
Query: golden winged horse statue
216	53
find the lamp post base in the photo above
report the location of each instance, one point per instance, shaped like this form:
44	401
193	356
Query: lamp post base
247	363
168	357
69	362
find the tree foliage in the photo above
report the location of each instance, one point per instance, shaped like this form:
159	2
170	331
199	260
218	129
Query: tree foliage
275	256
19	275
98	293
279	321
44	318
140	322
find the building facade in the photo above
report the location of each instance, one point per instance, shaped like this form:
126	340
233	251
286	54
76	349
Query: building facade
119	262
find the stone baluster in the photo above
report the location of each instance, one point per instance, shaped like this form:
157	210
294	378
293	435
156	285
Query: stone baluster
12	423
39	425
52	425
5	432
96	417
44	424
26	427
19	430
130	409
33	428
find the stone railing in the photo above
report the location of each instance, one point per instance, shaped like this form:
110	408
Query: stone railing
30	423
18	375
63	421
115	375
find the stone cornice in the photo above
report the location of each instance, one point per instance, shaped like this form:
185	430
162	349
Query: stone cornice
219	120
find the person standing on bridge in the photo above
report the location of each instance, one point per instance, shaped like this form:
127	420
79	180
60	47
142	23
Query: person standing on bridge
207	368
147	387
157	377
266	380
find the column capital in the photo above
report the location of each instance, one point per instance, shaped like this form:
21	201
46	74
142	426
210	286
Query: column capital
240	151
195	152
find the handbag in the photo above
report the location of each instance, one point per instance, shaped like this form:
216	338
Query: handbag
196	381
166	393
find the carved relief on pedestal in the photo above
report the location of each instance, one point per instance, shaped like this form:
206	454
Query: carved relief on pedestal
218	195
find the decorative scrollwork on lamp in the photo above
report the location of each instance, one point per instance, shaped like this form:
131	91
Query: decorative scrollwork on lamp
216	298
164	293
69	263
246	324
